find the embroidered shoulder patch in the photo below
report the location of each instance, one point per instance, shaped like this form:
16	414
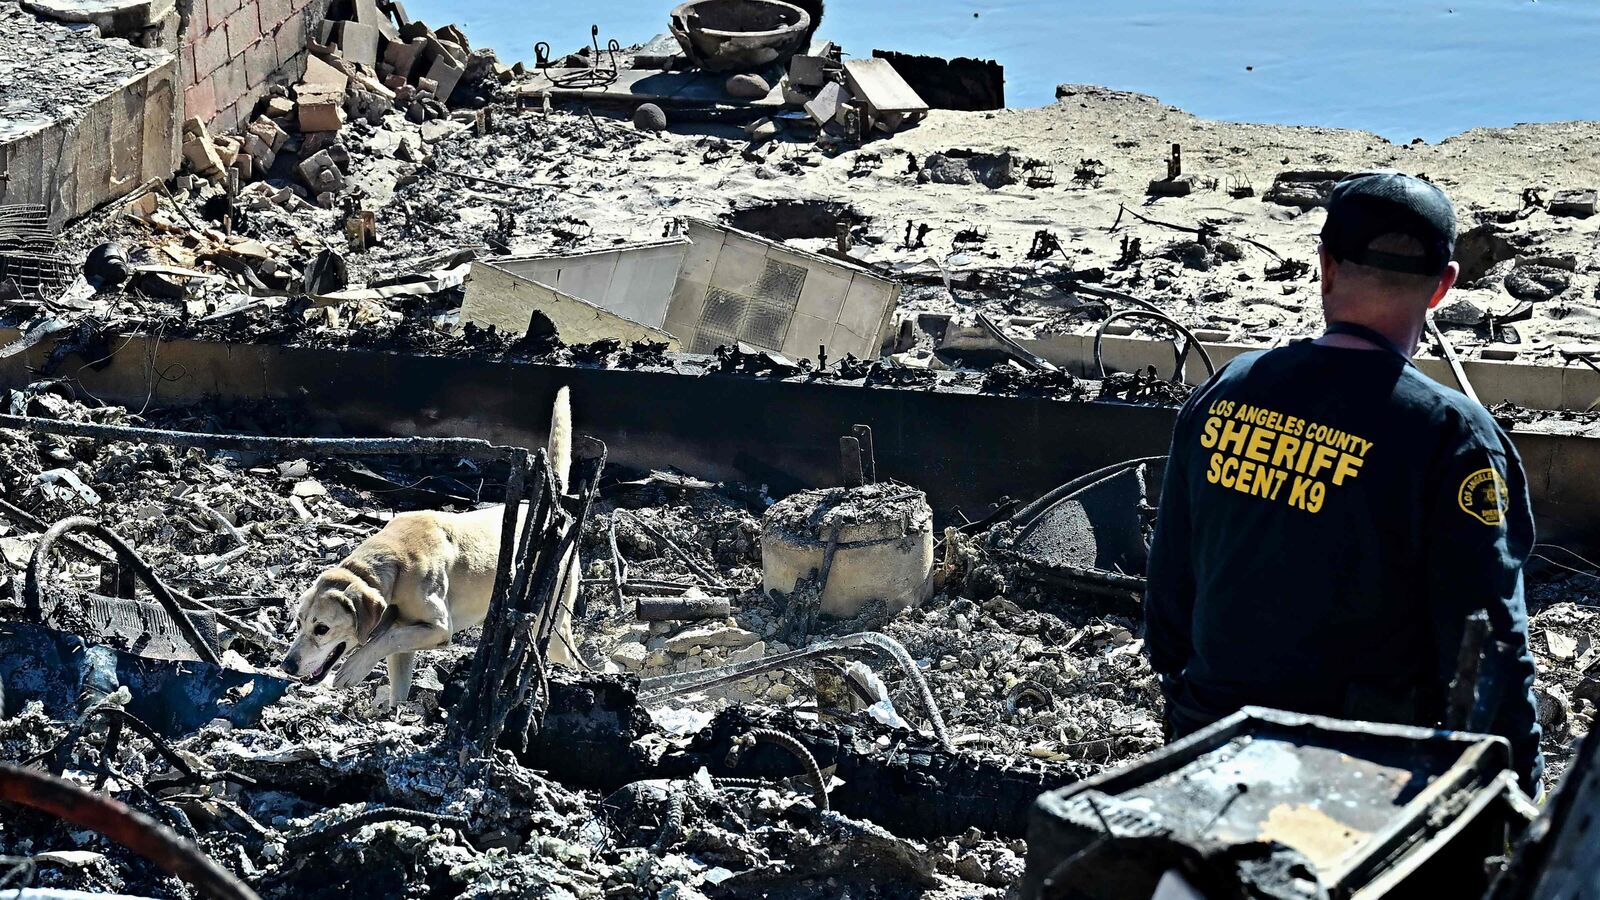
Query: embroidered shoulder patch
1483	496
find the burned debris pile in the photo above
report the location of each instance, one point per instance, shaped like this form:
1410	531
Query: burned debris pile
819	680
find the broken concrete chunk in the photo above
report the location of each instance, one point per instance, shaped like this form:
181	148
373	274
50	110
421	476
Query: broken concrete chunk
320	108
1460	311
279	107
322	73
359	43
199	152
711	636
403	56
810	69
992	170
824	108
630	657
367	13
1574	204
446	72
1182	186
269	133
762	129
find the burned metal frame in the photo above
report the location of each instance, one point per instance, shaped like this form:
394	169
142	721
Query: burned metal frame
501	675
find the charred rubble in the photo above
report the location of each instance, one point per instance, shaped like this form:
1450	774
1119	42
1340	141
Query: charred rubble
848	691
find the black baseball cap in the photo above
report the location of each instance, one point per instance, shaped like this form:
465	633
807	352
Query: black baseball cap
1368	205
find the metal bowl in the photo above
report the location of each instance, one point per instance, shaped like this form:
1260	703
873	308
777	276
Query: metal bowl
739	35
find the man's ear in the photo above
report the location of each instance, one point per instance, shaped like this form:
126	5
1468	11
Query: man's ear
1446	282
1329	268
368	608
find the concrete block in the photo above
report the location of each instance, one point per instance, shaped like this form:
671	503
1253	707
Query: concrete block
216	12
291	39
269	132
231	82
260	61
1576	204
824	108
210	52
245	164
368	14
259	150
359	43
403	56
280	107
244	28
201	156
273	13
200	101
447	72
321	72
319	108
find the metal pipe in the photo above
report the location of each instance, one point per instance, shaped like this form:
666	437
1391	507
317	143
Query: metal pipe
471	448
128	827
33	587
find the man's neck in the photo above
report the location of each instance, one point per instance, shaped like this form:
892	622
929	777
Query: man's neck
1405	336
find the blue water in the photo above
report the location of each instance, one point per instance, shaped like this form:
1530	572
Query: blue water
1401	68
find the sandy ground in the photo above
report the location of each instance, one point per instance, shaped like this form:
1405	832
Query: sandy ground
1118	142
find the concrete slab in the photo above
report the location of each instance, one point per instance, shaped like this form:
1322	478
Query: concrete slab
737	287
507	301
83	119
634	281
114	18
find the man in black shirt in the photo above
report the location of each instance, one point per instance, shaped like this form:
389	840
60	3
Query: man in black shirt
1330	516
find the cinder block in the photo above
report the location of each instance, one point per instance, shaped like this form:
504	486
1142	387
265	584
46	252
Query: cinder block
319	109
403	56
244	29
359	43
210	52
227	117
274	13
217	12
260	61
291	38
269	132
447	72
230	83
200	101
367	13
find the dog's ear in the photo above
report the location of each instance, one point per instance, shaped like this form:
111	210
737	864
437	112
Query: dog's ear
368	608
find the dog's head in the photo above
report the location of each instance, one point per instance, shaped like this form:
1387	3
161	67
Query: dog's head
336	614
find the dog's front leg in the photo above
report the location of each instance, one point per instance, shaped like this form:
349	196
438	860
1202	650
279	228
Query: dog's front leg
400	667
399	639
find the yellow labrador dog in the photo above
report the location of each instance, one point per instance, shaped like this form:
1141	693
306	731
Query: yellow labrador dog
426	576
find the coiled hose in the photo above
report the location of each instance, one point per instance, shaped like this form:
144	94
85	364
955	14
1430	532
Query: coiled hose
656	689
819	786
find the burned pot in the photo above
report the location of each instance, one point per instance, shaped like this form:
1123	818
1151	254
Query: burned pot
732	35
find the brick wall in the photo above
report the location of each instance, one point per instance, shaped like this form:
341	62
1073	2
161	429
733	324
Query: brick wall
234	49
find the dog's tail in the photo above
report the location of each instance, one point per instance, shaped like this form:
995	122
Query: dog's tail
559	450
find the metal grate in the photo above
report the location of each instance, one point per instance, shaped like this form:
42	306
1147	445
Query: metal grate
762	320
26	257
781	284
144	628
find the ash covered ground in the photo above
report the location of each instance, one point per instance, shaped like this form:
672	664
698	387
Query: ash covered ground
1023	677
